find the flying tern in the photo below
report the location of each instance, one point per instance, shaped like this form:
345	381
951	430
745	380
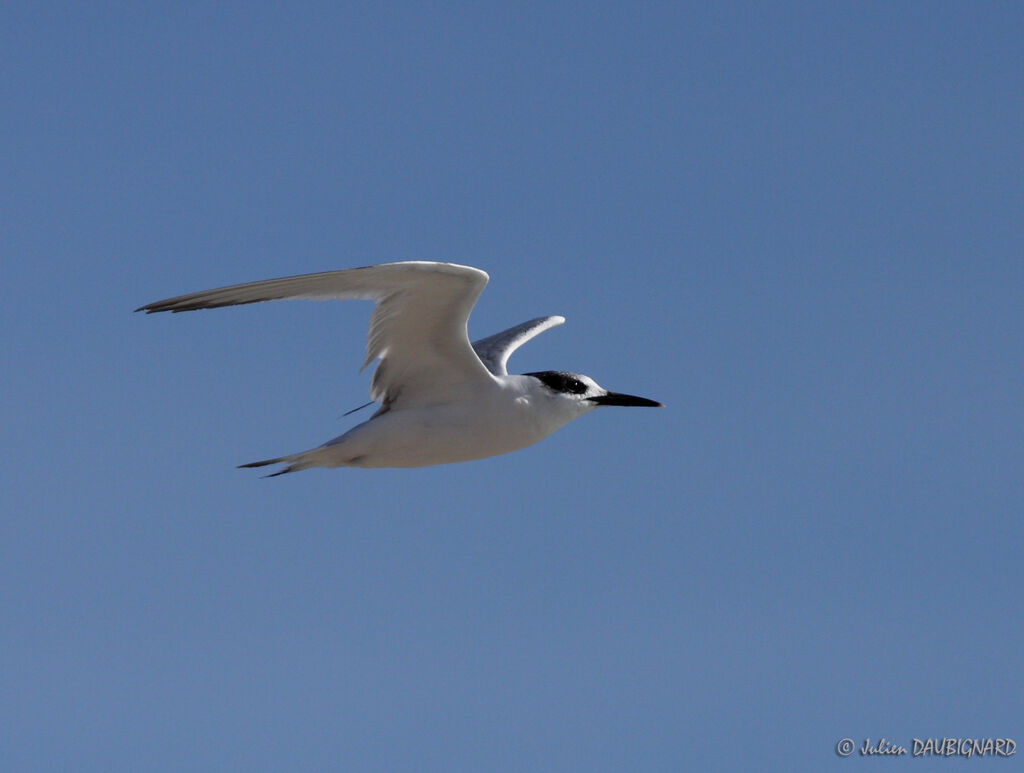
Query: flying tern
442	399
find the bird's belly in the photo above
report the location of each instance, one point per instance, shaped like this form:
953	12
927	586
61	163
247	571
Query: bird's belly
418	438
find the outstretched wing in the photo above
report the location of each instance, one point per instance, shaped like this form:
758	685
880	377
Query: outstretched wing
417	330
495	350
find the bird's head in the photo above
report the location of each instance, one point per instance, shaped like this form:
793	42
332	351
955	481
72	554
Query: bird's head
586	393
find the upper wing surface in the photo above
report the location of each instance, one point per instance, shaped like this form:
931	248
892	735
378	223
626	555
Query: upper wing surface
418	329
495	350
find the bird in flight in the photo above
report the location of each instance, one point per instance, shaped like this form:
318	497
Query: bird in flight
442	399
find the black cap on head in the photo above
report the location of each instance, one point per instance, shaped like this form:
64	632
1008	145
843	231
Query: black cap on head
558	381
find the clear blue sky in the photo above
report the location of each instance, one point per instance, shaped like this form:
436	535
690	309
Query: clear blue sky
799	225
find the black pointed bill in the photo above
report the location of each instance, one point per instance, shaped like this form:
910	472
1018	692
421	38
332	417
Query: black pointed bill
616	398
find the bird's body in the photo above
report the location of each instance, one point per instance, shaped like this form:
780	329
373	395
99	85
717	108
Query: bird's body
501	417
443	399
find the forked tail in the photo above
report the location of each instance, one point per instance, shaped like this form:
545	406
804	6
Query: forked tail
294	462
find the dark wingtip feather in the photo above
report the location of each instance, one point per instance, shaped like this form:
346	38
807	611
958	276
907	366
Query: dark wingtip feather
175	305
